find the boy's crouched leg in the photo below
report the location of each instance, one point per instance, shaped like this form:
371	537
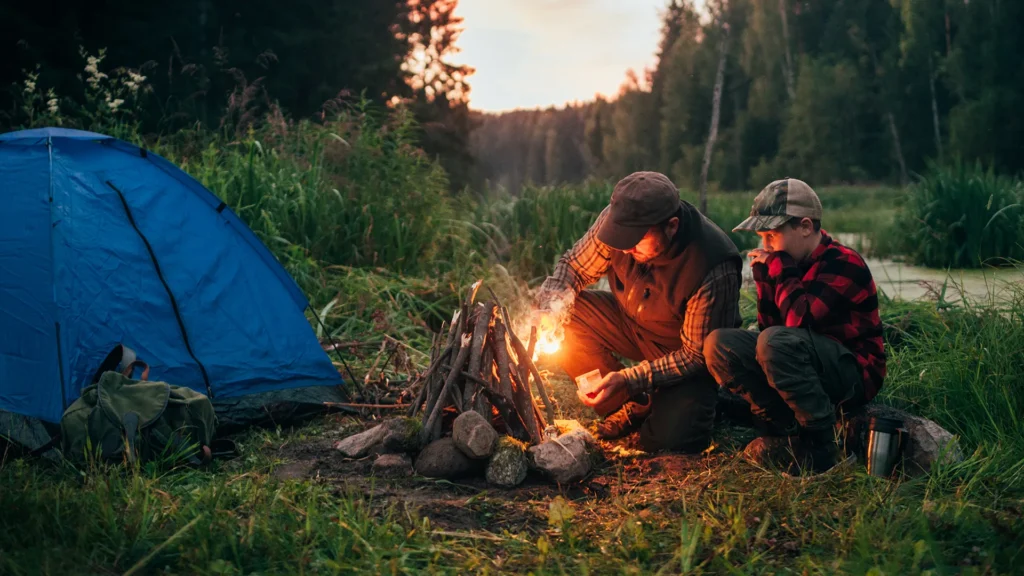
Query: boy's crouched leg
681	416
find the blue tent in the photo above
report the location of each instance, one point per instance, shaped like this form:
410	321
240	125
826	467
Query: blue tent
102	242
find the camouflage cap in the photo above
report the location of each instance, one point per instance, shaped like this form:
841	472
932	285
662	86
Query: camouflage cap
780	201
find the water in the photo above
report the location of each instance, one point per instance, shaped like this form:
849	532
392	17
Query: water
903	281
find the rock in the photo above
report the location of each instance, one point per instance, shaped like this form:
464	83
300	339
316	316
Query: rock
441	459
566	426
474	435
508	465
565	458
402	435
928	441
393	465
363	443
391	436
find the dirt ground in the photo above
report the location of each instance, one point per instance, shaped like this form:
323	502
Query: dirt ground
471	504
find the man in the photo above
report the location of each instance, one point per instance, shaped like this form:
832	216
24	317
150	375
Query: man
819	350
674	277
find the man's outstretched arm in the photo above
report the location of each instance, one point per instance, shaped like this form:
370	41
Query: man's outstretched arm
580	266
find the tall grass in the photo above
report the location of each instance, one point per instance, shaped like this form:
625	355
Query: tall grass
962	216
543	222
355	192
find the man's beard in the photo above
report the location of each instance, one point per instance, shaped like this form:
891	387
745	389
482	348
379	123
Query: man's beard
663	246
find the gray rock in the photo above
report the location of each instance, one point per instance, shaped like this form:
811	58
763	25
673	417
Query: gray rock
364	443
393	465
929	442
474	435
441	459
508	465
391	436
402	435
565	458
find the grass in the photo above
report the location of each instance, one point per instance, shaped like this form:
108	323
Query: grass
962	216
359	218
957	366
536	228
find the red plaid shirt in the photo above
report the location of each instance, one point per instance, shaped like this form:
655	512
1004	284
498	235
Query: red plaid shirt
831	293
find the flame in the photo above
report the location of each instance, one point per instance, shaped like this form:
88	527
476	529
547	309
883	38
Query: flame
547	343
549	337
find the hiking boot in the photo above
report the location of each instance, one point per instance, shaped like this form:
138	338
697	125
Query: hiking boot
624	420
819	452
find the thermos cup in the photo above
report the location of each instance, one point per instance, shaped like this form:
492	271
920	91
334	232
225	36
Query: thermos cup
886	442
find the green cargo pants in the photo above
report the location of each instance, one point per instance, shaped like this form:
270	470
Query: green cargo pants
790	376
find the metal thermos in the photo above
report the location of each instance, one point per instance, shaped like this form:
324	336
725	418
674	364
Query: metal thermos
886	440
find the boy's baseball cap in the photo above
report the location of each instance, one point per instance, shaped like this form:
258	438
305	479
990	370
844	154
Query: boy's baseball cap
780	201
638	202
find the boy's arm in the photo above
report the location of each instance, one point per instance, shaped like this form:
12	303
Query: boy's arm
767	312
801	304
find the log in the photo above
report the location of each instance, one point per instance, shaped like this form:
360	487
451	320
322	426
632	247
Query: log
504	405
435	344
481	325
430	377
513	423
483	404
520	350
523	401
500	347
449	384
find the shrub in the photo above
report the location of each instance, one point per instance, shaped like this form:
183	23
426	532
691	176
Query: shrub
961	215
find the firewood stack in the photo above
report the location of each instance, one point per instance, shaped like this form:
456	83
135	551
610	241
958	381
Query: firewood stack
483	366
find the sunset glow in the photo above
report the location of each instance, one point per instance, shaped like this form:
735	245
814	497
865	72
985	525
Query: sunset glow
539	53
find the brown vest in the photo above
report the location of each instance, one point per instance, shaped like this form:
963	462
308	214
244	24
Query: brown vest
654	295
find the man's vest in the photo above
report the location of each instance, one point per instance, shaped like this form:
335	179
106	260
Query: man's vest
654	294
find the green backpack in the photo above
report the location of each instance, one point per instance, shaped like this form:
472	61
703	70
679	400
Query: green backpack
137	420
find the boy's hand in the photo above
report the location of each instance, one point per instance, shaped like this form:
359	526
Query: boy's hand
758	256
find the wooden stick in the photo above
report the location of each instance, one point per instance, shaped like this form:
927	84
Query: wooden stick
481	325
427	377
521	351
524	368
501	358
375	406
483	405
513	422
453	375
422	394
523	401
534	413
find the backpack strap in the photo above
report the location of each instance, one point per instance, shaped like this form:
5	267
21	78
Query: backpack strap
121	355
127	372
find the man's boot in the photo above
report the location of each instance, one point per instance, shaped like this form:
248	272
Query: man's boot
625	420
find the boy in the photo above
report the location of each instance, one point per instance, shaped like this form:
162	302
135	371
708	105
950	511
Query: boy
820	345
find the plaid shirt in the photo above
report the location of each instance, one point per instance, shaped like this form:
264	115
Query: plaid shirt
715	304
833	294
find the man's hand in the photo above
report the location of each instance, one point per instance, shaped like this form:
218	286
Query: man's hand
608	395
758	256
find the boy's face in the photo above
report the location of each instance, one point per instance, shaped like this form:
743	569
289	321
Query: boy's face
796	241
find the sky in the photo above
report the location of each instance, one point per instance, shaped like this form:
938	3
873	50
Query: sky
539	53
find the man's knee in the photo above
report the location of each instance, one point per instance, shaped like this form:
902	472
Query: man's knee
681	419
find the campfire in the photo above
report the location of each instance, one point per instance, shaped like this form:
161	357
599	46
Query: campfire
485	367
481	400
